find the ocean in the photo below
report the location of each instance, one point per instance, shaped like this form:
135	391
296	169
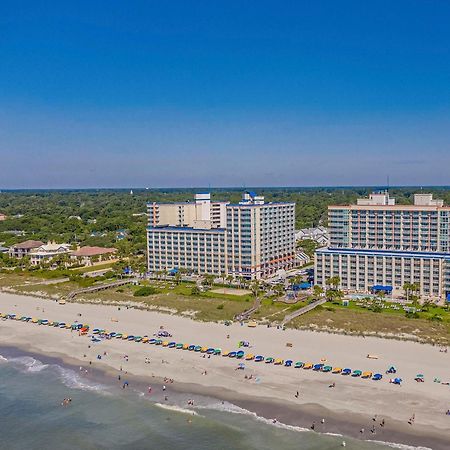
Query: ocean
102	416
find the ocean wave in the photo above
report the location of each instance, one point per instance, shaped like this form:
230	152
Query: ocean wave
69	377
177	409
399	446
28	364
234	409
72	379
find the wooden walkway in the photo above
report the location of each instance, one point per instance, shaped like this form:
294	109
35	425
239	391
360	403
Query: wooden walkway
246	314
101	287
303	310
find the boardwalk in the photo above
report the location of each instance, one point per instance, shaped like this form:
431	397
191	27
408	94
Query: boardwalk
303	310
101	287
246	314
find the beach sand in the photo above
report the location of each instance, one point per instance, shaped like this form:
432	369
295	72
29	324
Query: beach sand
346	408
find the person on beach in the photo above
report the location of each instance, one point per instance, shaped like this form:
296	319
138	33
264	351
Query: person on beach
164	387
313	426
149	389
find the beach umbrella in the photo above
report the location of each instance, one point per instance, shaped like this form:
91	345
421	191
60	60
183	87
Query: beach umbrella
259	358
356	373
299	364
337	370
217	351
232	354
377	377
210	351
327	369
346	371
419	375
197	348
317	367
278	361
288	363
269	360
240	354
179	346
367	374
308	366
249	356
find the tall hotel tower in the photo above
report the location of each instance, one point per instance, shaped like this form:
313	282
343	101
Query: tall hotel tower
378	245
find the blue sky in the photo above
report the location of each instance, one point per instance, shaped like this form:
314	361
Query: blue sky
224	93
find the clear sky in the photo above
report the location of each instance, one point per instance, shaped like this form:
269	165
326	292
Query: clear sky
224	93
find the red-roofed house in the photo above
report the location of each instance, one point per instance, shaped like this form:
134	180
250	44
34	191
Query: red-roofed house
87	254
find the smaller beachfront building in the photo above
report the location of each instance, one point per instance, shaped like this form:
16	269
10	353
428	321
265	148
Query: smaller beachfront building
22	249
48	251
88	255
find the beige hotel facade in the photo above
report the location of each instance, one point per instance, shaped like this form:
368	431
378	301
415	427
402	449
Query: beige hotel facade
379	245
252	239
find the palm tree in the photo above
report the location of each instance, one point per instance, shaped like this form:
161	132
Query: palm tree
317	290
255	288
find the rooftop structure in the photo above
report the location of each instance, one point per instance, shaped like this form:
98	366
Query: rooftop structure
93	251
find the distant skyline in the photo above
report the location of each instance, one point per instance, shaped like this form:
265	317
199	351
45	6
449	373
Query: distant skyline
224	94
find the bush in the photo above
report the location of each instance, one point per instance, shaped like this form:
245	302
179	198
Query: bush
220	306
436	318
412	315
195	290
145	291
376	308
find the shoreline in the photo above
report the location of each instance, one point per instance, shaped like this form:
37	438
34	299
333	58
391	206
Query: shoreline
346	414
286	414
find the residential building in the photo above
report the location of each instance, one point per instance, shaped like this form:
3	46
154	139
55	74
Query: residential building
2	217
48	251
252	239
318	234
87	254
379	243
23	248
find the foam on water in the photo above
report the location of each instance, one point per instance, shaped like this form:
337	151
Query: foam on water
399	446
177	409
70	378
234	409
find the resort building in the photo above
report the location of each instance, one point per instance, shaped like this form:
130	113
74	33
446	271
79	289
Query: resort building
88	255
46	252
379	245
23	248
252	239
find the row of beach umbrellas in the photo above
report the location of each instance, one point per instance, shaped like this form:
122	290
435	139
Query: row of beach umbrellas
98	334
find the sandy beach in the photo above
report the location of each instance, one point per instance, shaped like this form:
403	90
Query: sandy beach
270	392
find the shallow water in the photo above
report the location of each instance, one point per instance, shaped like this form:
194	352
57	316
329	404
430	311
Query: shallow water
107	417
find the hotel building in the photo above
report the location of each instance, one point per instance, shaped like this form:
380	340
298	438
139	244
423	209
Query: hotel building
378	245
252	239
